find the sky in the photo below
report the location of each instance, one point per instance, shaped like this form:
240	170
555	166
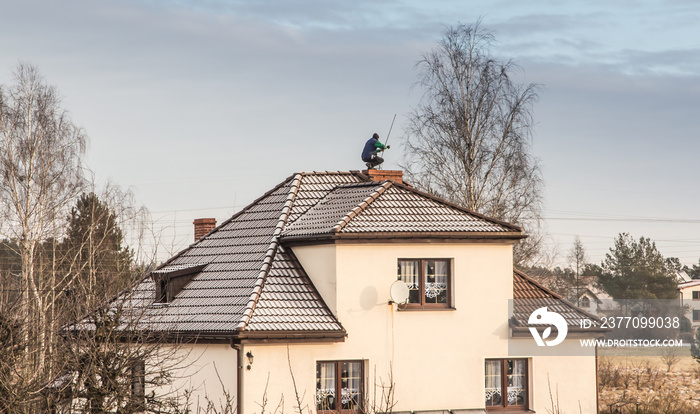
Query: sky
199	107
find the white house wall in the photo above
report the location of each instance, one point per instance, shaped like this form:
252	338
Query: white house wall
319	263
687	298
571	379
205	371
437	356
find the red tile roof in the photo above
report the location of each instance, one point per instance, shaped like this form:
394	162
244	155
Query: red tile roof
529	296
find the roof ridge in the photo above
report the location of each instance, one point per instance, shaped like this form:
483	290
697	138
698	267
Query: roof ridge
270	254
307	173
362	206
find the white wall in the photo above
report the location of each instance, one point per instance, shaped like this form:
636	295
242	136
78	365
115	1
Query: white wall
319	263
205	371
437	356
687	296
571	379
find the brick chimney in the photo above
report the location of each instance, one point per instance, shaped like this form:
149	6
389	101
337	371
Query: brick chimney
202	226
381	175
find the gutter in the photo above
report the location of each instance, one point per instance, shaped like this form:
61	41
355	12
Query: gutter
291	336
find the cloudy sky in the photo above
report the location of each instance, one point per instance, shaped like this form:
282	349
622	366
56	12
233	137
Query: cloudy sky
201	106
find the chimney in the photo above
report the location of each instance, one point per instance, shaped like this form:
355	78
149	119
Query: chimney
203	226
381	175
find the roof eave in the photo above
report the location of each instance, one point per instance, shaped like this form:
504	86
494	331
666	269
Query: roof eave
292	336
329	237
175	336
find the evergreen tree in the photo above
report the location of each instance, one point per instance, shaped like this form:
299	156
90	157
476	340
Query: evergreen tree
95	256
695	346
636	270
694	271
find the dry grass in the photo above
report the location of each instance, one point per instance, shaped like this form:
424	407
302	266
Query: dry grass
644	385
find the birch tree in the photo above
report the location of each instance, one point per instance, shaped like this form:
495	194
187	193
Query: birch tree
40	175
469	139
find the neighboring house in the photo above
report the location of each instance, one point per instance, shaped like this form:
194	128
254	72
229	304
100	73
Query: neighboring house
588	301
290	298
596	301
689	293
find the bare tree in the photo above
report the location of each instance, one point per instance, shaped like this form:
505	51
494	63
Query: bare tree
577	259
670	356
114	362
40	174
468	140
68	263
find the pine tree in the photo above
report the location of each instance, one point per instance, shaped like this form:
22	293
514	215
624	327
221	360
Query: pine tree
636	270
95	256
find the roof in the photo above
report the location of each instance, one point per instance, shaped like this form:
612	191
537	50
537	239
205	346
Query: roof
248	282
388	209
529	296
588	292
690	283
682	277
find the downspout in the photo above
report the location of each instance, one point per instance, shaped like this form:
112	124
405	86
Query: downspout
239	376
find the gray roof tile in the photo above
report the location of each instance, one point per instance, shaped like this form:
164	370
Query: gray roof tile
387	208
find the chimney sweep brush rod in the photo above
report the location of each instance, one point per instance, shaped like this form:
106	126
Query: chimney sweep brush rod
388	135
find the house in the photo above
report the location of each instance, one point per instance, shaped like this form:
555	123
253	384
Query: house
689	293
294	301
596	301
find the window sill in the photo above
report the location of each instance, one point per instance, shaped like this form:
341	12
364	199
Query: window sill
158	305
417	309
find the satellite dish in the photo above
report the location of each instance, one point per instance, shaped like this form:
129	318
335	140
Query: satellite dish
399	292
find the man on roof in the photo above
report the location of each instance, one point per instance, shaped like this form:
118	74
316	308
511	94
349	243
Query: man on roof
369	153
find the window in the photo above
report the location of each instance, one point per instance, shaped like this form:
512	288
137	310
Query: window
339	378
429	282
170	282
585	302
162	291
506	383
696	315
696	295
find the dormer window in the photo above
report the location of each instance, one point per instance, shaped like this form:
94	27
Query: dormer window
170	280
